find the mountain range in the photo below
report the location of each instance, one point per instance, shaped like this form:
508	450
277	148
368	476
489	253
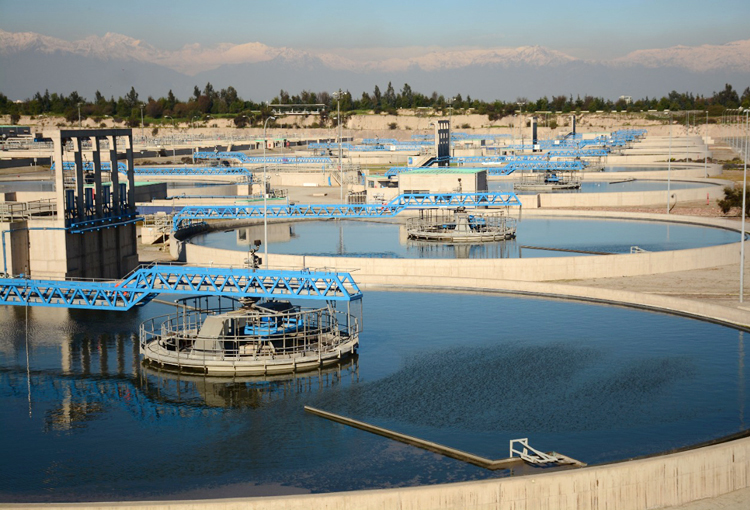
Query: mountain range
113	63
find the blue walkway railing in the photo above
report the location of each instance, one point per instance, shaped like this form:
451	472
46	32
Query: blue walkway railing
254	160
409	201
192	170
146	282
156	170
534	165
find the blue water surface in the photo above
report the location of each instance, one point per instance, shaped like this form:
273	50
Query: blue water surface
84	420
388	239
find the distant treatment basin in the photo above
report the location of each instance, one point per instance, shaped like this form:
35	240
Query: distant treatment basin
536	237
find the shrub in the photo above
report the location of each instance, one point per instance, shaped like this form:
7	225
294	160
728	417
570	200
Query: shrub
733	198
392	125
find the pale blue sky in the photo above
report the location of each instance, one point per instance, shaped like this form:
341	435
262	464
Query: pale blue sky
582	28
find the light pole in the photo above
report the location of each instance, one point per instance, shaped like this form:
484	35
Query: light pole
142	137
192	121
744	197
705	150
669	162
265	195
79	115
337	96
174	151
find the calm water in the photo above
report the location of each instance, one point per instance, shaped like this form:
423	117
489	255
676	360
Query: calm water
597	383
605	187
388	239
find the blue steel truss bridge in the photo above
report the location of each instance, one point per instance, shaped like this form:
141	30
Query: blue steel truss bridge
146	282
191	214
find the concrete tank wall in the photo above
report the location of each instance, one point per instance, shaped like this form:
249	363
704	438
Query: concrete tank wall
433	271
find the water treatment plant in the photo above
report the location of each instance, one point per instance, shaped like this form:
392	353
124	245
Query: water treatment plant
268	323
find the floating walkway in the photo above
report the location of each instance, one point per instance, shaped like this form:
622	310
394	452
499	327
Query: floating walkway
526	454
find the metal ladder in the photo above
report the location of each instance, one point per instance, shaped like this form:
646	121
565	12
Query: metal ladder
531	455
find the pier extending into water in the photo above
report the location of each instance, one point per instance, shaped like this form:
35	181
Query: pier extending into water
534	457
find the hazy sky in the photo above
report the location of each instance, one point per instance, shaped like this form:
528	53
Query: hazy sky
581	28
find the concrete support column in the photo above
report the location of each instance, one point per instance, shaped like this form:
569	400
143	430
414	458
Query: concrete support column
98	195
114	174
131	172
58	158
78	156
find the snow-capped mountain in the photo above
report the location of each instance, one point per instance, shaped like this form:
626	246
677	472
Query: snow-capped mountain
114	62
705	58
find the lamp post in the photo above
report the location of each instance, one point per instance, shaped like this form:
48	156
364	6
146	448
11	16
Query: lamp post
742	228
174	151
265	195
337	96
669	162
705	148
79	115
192	121
143	138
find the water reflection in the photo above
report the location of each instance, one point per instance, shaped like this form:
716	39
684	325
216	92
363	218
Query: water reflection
84	387
469	371
243	392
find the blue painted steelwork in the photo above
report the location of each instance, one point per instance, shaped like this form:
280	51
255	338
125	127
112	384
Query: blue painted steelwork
497	159
89	166
462	136
178	170
190	214
578	153
379	141
329	146
532	163
252	160
146	282
536	166
401	146
187	170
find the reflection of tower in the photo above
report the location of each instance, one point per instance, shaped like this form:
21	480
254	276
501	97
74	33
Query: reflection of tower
341	238
463	251
120	346
103	355
66	354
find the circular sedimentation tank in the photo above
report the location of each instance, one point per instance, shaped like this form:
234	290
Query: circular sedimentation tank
87	420
535	237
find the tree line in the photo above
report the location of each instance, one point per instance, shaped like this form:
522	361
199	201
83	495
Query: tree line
227	103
